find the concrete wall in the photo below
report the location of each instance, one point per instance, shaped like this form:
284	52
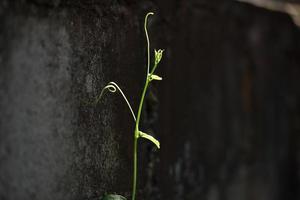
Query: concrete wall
226	113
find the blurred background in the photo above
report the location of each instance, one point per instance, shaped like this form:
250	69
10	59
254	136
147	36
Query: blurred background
227	112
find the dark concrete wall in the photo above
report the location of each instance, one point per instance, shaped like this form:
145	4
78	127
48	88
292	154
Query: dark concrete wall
233	107
227	111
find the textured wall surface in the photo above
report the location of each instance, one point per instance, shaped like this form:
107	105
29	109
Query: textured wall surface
226	113
234	111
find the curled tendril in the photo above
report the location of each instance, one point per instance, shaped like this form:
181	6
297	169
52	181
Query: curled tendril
113	87
148	41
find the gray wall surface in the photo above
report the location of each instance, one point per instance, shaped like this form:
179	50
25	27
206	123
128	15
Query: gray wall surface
227	112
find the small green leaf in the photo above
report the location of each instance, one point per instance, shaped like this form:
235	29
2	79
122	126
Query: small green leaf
155	77
113	197
149	137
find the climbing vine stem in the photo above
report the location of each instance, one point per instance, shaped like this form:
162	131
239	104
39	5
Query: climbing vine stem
113	87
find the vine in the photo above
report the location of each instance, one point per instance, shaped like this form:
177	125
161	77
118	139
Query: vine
113	87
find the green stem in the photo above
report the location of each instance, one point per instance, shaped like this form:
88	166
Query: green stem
141	104
138	117
136	136
153	69
134	168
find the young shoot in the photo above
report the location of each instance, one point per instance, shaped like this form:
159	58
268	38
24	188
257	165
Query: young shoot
137	134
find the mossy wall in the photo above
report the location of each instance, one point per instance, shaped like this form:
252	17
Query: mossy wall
226	112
